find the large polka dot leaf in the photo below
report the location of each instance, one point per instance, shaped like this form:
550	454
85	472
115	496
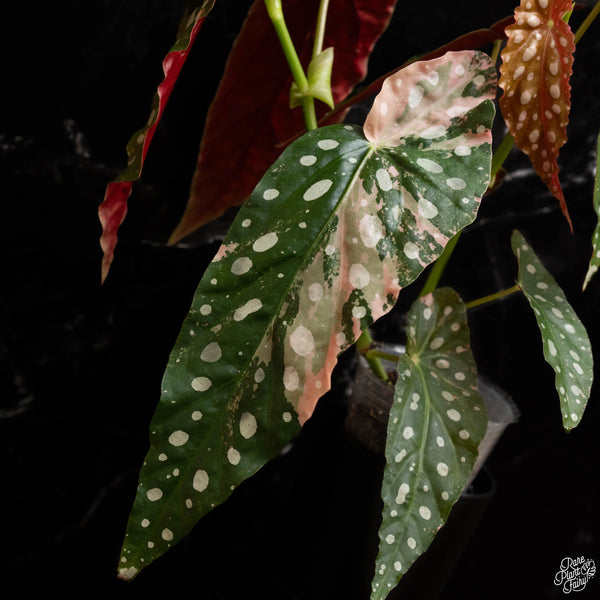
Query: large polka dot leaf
537	63
336	227
436	423
595	258
566	343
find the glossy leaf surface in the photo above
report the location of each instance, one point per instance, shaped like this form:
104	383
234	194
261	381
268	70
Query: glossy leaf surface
335	228
537	63
566	344
595	259
437	421
250	121
113	209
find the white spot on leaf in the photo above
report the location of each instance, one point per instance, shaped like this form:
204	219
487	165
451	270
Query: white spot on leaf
429	165
266	242
432	133
384	180
291	380
327	144
178	438
427	209
415	96
212	353
154	494
241	265
248	425
233	456
315	292
200	481
359	276
201	384
456	183
371	230
250	307
318	189
302	341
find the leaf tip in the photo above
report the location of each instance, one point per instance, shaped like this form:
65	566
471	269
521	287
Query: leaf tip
126	573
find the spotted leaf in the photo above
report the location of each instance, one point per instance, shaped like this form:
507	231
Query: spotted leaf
338	224
113	209
436	423
595	259
566	344
537	63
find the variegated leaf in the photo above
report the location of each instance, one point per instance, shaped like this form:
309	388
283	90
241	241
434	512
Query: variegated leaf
566	343
436	423
537	63
334	229
595	259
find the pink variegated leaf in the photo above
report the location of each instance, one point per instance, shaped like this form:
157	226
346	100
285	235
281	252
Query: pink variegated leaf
336	227
469	41
113	209
535	73
249	122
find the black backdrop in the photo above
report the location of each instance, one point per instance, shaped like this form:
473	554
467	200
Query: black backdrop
80	363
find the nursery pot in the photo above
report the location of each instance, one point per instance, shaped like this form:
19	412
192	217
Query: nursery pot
371	400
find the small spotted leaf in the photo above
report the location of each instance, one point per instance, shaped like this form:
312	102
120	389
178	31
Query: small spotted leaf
595	259
566	343
537	63
436	423
113	209
337	226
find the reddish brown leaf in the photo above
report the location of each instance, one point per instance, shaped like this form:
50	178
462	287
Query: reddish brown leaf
249	121
537	65
113	209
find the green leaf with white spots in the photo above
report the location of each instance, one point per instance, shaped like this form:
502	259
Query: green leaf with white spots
336	227
436	423
566	343
595	259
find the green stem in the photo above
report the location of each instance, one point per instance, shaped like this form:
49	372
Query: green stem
276	15
492	297
501	154
320	28
587	22
439	265
364	345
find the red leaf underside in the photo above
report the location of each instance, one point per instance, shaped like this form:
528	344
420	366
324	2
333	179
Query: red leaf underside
113	209
537	65
249	122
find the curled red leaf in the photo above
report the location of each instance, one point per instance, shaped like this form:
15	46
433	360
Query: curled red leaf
249	122
535	73
113	209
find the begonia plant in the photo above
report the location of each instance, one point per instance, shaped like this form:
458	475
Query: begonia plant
334	221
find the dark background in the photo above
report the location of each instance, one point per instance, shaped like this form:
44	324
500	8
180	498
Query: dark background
81	363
